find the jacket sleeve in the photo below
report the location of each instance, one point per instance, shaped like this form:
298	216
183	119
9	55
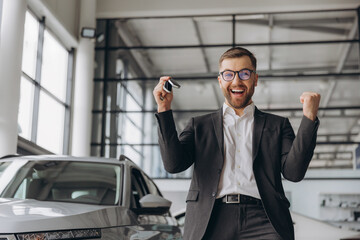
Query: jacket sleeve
297	153
177	152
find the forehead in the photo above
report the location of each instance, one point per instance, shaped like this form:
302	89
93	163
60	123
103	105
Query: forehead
236	63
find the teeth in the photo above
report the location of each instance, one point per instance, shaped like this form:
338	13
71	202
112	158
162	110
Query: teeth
237	91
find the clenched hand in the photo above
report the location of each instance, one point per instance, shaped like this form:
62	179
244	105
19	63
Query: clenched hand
310	101
162	98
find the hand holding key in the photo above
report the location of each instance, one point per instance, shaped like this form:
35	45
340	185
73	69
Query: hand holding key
163	93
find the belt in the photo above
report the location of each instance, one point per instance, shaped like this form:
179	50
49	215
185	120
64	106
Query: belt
239	199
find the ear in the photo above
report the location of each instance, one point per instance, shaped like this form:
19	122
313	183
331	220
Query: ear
256	79
219	80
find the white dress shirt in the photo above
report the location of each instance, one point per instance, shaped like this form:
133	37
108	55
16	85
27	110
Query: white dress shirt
237	175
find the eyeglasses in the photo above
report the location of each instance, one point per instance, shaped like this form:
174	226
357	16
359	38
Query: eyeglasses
229	75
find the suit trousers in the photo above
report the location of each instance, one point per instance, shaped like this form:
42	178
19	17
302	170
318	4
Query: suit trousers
239	221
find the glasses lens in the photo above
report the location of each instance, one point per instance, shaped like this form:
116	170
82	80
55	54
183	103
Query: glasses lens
245	74
228	75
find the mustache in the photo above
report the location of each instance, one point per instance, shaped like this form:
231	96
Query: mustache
238	86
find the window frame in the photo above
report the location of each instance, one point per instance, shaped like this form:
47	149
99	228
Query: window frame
38	88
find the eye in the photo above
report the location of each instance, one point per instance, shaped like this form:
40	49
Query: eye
228	74
246	73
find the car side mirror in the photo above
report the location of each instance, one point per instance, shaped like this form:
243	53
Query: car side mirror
153	204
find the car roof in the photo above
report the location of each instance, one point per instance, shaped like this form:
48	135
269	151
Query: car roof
123	160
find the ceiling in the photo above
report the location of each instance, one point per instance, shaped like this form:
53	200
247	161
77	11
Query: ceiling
296	52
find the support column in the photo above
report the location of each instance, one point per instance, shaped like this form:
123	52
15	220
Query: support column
83	87
11	47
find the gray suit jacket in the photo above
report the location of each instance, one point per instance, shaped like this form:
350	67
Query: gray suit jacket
276	151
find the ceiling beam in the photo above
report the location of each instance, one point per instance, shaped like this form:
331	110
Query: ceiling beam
303	24
201	42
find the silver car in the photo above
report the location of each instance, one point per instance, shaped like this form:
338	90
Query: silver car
62	197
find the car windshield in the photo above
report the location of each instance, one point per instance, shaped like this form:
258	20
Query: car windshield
65	181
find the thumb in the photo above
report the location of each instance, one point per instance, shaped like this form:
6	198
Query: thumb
302	99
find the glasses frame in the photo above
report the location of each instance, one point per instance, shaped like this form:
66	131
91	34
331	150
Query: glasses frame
236	72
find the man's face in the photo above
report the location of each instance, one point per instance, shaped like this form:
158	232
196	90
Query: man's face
238	92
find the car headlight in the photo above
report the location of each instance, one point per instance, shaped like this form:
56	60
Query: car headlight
66	234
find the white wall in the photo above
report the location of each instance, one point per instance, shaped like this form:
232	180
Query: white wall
62	21
305	195
12	35
67	12
83	87
1	5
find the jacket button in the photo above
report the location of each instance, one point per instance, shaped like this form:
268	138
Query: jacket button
213	194
219	171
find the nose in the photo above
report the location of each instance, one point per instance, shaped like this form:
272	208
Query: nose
236	79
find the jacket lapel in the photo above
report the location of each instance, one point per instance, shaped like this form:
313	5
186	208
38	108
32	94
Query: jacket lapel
217	118
259	122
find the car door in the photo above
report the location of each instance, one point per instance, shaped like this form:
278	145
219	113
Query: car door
160	225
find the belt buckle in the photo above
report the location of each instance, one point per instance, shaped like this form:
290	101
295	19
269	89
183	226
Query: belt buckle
232	201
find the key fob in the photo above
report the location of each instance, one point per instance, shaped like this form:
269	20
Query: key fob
170	84
167	87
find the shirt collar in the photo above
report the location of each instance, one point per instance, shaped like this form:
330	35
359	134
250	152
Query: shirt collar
250	109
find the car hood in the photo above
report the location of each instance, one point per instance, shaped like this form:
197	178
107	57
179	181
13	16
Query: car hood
31	215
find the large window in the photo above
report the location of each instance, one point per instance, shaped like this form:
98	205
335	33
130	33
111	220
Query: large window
296	52
44	110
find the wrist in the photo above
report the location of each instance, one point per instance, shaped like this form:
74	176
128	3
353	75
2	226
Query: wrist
163	109
311	117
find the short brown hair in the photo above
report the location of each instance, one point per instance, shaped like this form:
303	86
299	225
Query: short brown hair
237	52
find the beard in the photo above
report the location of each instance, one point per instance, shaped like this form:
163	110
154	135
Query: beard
239	103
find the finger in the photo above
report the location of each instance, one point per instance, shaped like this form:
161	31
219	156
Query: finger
163	79
302	98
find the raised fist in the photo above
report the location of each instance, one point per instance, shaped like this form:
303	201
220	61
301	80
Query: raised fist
310	101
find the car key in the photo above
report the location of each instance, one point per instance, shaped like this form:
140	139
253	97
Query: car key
168	86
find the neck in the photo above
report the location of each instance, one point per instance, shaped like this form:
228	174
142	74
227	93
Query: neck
239	111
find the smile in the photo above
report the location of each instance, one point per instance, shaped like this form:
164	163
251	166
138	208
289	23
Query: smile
237	91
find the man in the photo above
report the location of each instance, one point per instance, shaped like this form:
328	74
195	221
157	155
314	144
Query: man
239	154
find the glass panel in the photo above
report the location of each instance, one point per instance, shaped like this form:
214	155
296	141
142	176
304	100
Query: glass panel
54	67
280	68
131	104
26	108
96	128
100	33
136	90
99	64
64	181
96	151
31	35
51	124
121	63
132	133
352	59
329	155
134	153
347	92
152	164
98	95
315	56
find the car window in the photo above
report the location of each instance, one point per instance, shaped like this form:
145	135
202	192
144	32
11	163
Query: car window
67	181
152	187
138	188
